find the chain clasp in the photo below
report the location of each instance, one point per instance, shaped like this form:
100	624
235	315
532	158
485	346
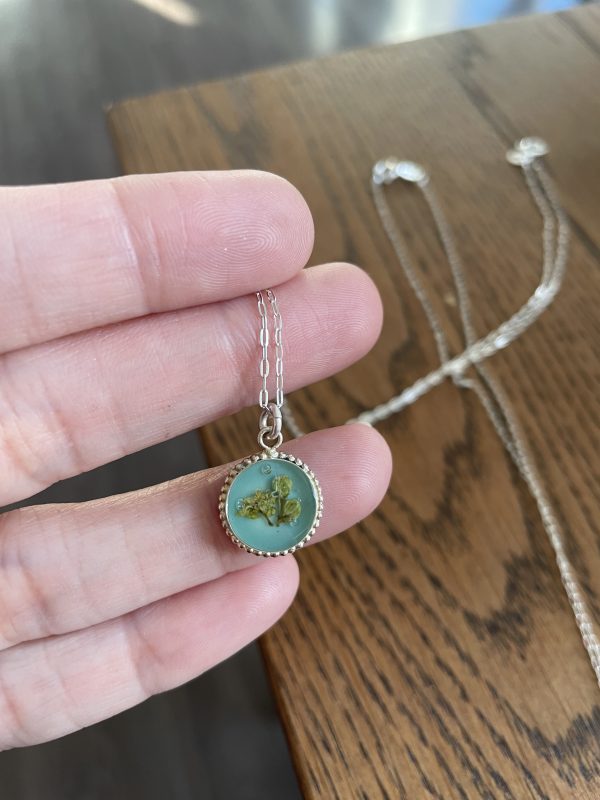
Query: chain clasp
270	424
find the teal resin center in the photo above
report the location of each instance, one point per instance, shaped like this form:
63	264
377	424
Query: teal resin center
271	505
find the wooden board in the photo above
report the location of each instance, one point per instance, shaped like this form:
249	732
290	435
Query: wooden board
432	652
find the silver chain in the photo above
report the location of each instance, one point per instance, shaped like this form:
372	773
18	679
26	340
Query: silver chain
526	154
270	435
264	340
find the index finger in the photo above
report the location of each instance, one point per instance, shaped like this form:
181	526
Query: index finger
87	254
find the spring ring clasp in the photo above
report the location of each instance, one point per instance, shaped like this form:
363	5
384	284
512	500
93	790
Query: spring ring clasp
270	423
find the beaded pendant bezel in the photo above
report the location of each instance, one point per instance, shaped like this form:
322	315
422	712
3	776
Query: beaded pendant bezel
244	464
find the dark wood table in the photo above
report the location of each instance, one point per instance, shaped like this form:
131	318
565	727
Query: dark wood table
431	651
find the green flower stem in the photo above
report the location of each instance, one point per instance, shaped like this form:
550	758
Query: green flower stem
275	507
267	518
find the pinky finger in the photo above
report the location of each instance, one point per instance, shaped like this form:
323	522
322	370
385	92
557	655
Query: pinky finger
53	686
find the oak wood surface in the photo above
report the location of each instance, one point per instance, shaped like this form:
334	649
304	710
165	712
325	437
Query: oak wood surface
431	651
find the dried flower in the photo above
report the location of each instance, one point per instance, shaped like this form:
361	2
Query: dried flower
276	507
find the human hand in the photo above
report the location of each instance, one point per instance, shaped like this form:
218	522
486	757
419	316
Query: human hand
125	321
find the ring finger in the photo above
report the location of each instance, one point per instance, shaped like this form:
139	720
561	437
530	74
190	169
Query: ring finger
66	567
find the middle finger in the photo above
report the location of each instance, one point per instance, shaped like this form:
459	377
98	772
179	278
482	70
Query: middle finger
75	403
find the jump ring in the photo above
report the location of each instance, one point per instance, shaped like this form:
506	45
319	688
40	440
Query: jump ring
267	441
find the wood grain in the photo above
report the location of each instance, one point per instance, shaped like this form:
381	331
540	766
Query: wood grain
432	652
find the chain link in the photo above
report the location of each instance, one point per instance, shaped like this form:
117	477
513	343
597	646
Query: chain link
264	342
270	434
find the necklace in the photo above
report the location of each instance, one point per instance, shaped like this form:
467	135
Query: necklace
527	154
271	502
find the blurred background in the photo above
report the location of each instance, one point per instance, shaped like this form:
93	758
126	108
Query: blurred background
62	62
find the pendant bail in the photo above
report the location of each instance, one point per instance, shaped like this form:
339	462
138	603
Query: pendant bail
270	422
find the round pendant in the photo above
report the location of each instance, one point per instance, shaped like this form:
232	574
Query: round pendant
270	504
